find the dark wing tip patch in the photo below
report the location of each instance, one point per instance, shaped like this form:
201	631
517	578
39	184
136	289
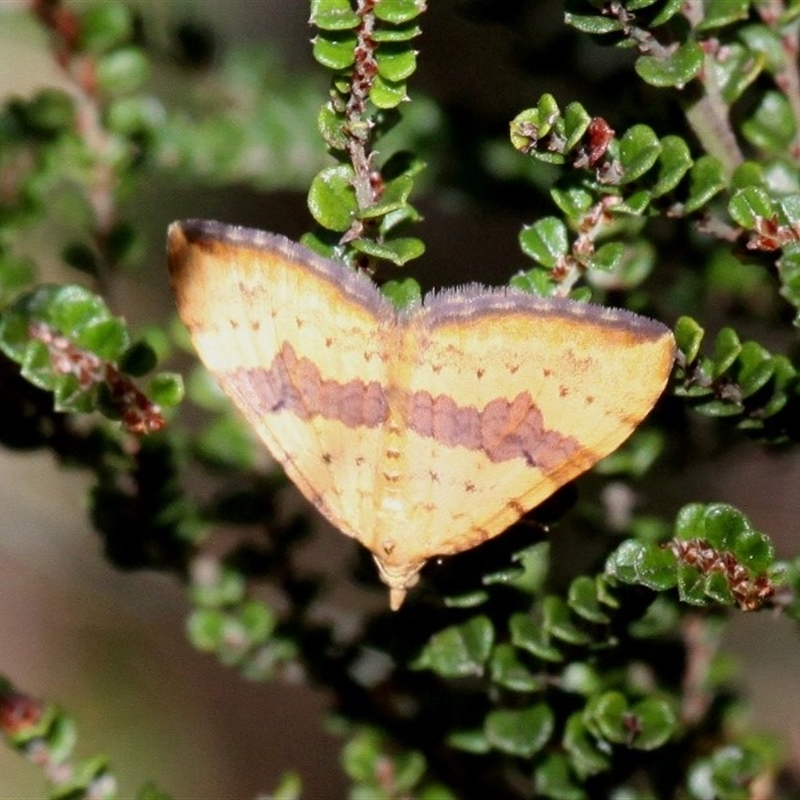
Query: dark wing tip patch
216	237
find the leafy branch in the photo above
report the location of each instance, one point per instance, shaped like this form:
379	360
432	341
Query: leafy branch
369	50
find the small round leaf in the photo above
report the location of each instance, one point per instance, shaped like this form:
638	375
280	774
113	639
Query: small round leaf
332	199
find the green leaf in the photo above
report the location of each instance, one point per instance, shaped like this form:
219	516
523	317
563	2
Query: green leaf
290	787
459	650
748	173
726	350
639	150
554	779
715	587
61	738
402	293
736	71
258	621
50	111
38	368
332	199
589	23
677	69
408	769
749	205
722	525
106	338
331	126
226	443
636	456
520	733
754	549
403	163
398	11
585	757
395	195
584	600
789	272
535	564
205	628
215	586
667	11
531	130
727	774
580	678
335	49
69	309
524	130
538	281
360	755
548	115
397	33
636	262
545	241
607	257
755	368
661	620
772	126
166	389
135	115
399	251
16	276
609	713
574	201
396	62
730	407
387	94
69	313
576	122
635	203
717	13
790	208
558	622
707	178
122	71
507	670
766	41
528	634
399	216
675	161
688	336
138	359
505	575
654	721
472	741
70	397
105	26
642	563
333	15
467	599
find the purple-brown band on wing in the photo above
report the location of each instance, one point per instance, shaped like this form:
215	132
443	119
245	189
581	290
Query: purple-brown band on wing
295	384
503	430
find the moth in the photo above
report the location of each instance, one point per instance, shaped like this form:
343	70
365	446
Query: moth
420	431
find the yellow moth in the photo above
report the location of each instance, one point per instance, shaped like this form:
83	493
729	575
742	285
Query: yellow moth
422	431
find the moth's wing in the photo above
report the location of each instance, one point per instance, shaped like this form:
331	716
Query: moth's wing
510	397
298	342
